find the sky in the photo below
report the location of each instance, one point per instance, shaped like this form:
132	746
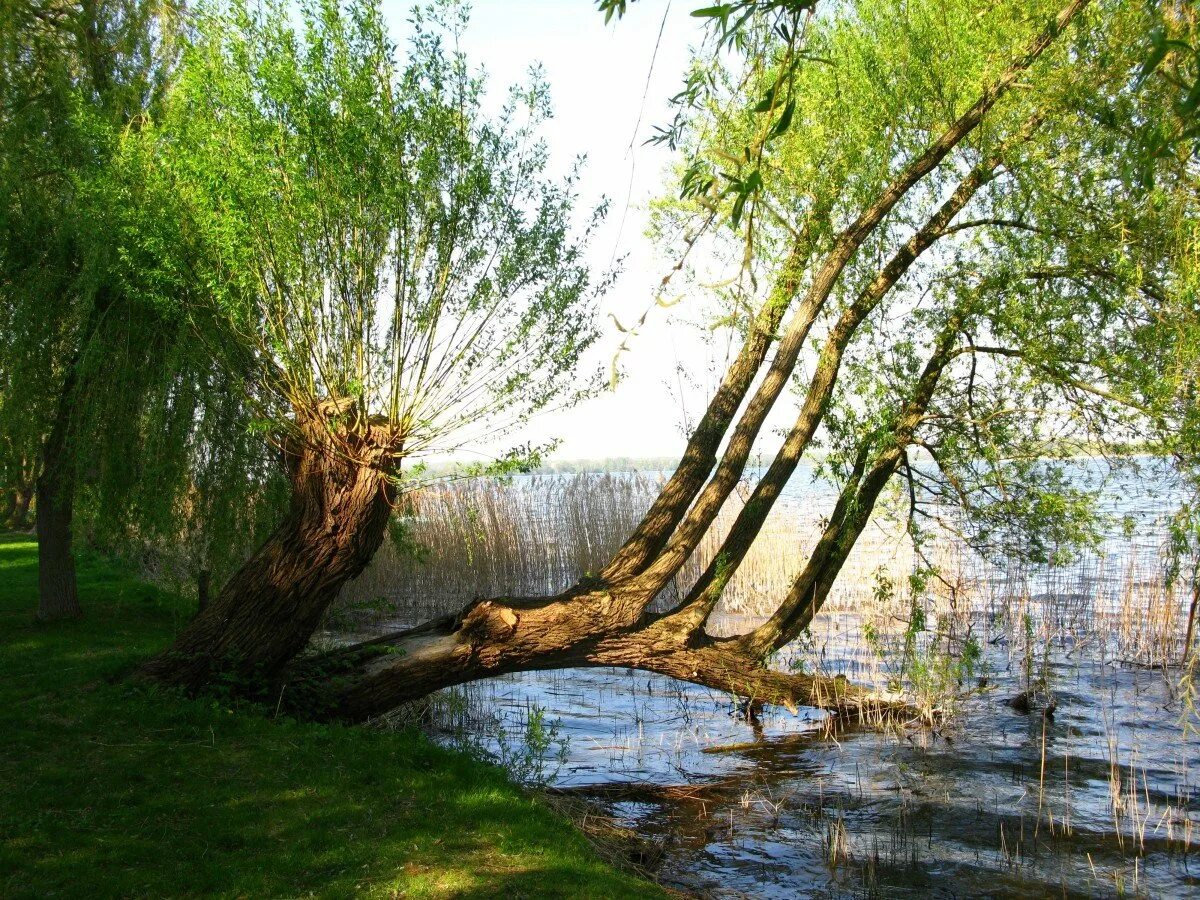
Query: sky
610	86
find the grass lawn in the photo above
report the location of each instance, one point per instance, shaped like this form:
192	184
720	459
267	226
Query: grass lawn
107	790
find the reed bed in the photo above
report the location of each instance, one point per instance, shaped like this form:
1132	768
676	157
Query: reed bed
537	535
528	536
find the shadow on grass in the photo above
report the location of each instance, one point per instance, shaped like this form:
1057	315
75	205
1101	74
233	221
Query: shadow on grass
116	791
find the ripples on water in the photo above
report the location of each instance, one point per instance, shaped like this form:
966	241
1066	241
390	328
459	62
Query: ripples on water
1096	800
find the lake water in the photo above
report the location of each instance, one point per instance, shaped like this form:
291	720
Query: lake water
1098	799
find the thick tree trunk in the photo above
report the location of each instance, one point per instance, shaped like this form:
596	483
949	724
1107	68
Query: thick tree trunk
268	610
10	508
496	637
58	594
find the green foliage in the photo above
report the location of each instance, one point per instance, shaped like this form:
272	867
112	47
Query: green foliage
1067	282
529	747
369	234
541	743
95	285
723	572
195	250
1172	57
933	665
729	18
400	533
154	794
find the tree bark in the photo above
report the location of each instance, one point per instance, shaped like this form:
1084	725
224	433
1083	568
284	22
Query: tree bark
58	594
496	637
20	514
264	616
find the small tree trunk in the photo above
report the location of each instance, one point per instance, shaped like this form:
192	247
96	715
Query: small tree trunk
16	505
20	515
58	595
203	583
266	613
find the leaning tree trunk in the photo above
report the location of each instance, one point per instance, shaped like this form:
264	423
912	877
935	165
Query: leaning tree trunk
266	613
58	595
500	636
268	610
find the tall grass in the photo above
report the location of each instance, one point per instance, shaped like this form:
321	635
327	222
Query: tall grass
483	538
539	534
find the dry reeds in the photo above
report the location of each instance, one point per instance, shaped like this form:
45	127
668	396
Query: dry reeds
538	534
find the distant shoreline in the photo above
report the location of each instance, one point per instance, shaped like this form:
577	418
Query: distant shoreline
667	464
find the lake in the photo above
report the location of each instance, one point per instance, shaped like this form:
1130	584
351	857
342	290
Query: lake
998	799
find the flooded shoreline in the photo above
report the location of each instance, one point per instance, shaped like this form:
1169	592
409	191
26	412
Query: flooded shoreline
1063	760
1097	799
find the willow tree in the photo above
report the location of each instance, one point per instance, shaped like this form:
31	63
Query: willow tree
392	271
947	251
74	79
931	225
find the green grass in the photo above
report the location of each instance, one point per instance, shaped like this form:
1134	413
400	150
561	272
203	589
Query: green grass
107	790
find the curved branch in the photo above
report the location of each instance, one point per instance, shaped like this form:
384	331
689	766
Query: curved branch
812	586
708	504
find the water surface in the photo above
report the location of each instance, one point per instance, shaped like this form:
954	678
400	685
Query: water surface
1096	799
